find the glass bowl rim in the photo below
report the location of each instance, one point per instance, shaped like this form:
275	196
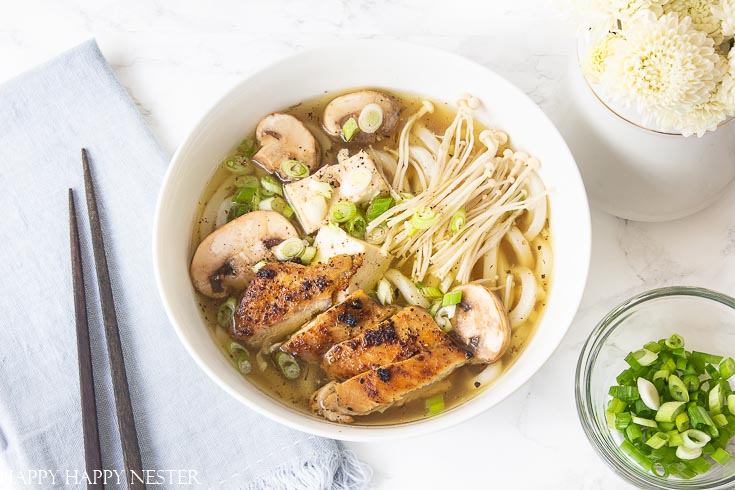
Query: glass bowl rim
590	350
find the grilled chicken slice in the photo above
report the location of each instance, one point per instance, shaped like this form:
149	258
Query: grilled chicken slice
283	296
387	377
341	322
395	339
379	388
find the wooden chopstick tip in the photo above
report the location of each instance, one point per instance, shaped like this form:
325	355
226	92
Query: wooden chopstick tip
85	162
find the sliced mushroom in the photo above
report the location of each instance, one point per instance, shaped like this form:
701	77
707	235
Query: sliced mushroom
347	106
481	323
283	137
223	261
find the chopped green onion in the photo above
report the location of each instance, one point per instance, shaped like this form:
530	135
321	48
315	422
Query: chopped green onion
287	212
699	464
691	382
288	365
698	417
692	421
669	411
644	422
377	235
436	306
632	361
716	400
321	188
443	316
683	452
713	372
308	256
721	456
659	439
294	169
622	420
653	347
669	365
648	393
343	211
356	226
695	438
713	431
617	405
681	470
247	147
349	129
675	439
378	206
370	118
727	368
225	312
423	219
457	221
626	377
241	356
675	341
720	420
274	203
627	393
431	292
249	181
434	405
238	165
271	186
708	358
238	210
642	410
636	455
246	195
633	432
452	298
289	249
677	389
645	357
660	470
385	292
260	264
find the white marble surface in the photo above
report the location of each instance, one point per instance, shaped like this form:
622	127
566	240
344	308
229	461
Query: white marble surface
177	57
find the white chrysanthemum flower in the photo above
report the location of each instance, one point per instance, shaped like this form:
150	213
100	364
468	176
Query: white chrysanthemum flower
724	10
595	61
663	63
727	90
697	119
624	10
701	13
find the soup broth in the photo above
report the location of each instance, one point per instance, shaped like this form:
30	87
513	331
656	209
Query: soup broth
463	383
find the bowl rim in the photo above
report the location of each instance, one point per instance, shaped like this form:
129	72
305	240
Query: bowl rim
462	412
582	393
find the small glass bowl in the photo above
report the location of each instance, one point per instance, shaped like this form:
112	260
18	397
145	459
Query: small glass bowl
706	320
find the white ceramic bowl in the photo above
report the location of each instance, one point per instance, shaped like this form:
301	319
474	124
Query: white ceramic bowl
390	65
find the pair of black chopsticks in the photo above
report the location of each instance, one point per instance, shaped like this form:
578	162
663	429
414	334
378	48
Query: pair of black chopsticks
125	421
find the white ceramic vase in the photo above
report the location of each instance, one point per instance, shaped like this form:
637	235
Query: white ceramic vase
638	173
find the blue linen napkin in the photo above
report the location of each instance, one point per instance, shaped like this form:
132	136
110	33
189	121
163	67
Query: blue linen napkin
190	431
